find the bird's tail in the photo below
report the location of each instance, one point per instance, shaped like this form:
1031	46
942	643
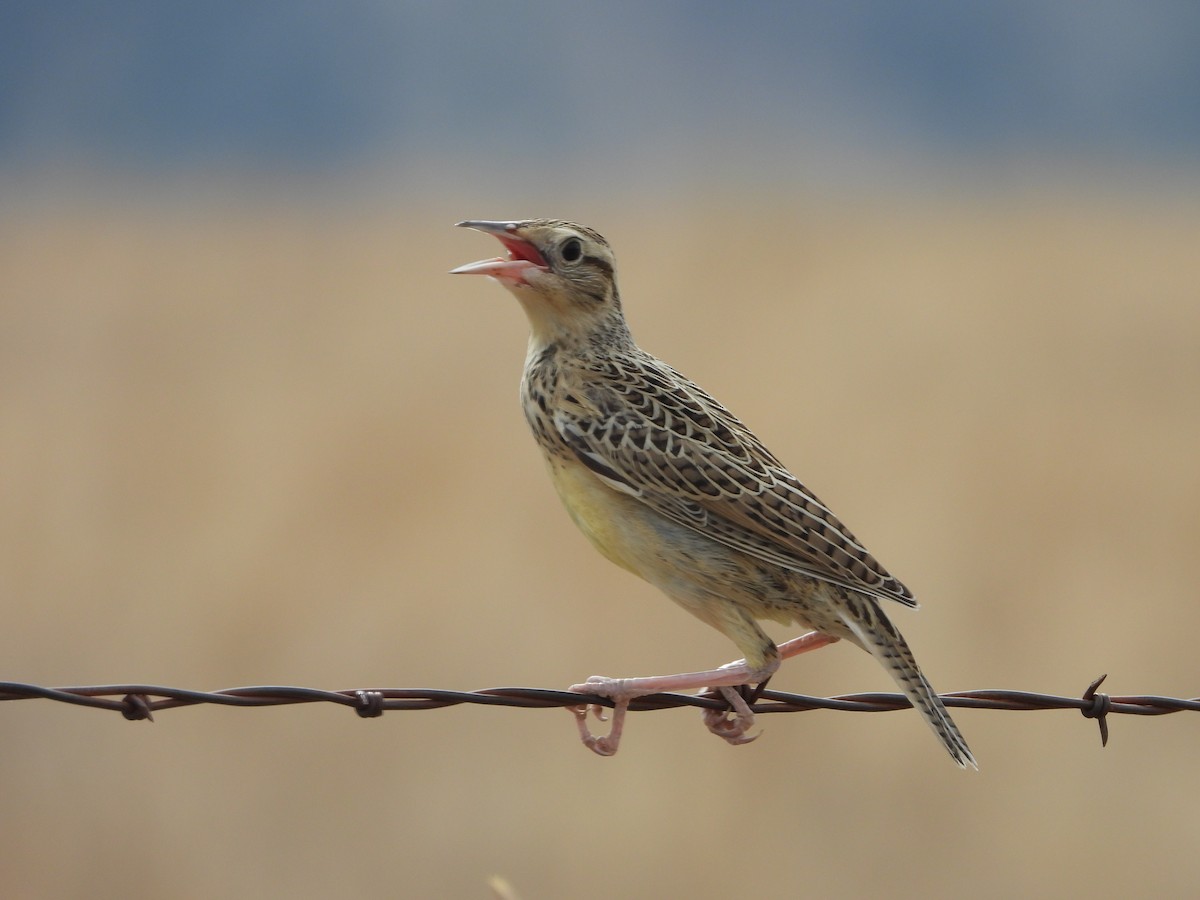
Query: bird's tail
879	637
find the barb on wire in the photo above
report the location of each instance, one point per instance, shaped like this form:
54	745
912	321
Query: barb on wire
142	701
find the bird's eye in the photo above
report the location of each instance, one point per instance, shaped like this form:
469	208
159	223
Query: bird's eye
571	250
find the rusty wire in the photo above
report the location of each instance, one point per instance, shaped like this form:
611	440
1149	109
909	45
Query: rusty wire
141	701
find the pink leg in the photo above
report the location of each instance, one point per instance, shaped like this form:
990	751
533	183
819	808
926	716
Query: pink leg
734	723
814	640
731	726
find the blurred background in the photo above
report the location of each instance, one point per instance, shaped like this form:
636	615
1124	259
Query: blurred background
942	257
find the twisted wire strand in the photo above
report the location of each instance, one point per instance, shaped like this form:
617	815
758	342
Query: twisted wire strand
142	701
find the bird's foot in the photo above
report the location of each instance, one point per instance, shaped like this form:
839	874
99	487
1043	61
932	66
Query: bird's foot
733	723
614	689
730	724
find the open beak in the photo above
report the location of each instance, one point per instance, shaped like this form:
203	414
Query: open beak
522	257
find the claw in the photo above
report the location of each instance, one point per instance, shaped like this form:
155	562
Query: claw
601	746
732	724
614	689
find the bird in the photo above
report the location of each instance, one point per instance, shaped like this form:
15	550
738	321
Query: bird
668	484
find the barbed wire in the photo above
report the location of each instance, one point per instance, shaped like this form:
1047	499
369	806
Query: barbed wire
140	701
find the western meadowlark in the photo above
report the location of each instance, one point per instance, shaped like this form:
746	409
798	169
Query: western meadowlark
668	484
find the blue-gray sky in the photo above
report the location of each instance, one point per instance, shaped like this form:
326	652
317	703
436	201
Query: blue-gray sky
714	86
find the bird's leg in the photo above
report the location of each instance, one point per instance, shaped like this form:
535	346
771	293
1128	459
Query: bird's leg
732	727
622	690
733	723
814	640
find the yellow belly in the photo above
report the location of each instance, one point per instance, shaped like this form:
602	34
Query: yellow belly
720	586
618	526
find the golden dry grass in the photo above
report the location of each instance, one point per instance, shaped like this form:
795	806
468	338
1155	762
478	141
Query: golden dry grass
276	444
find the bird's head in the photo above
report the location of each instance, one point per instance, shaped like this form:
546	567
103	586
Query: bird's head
563	274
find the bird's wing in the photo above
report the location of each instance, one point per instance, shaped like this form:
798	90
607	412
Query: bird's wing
648	432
